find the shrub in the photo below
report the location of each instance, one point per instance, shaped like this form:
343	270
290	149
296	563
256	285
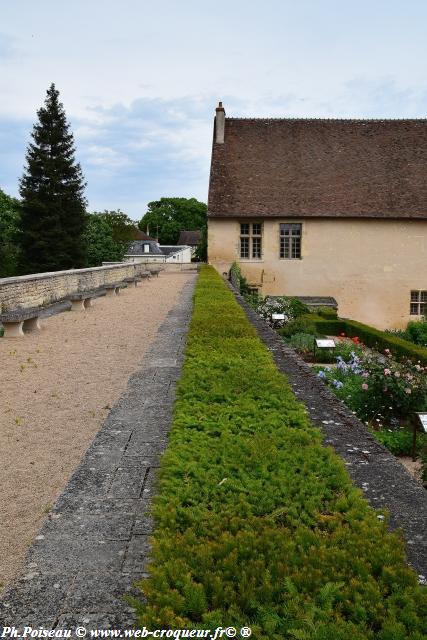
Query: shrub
302	342
327	312
298	308
398	442
398	333
291	308
378	387
303	324
256	523
417	332
267	307
328	327
238	279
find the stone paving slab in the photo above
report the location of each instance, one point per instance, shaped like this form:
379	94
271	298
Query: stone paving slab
95	542
386	483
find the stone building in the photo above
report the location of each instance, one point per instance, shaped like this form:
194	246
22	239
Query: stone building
316	207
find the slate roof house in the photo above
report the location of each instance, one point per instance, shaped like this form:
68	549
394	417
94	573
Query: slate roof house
149	250
316	207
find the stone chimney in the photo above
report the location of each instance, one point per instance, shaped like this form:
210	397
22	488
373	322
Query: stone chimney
219	124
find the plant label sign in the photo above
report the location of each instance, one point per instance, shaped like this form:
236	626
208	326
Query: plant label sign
277	316
423	419
323	343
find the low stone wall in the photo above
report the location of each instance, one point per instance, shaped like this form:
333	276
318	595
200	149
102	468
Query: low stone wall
41	289
171	267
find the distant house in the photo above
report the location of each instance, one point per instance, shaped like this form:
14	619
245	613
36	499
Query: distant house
315	207
149	250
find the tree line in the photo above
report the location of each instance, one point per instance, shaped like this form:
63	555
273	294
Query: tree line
49	228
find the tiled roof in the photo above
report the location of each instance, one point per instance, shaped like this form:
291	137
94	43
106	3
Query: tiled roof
320	168
141	235
167	250
190	238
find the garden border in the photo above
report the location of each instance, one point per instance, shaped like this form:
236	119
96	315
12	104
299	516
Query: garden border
385	481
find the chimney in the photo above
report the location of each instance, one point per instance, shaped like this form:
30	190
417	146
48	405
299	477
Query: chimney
219	124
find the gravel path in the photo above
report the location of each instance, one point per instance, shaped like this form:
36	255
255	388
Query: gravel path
57	387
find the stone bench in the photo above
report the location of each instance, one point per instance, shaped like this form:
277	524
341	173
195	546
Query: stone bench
20	321
132	280
113	289
154	271
83	299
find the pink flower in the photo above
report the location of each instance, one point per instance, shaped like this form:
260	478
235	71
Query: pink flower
387	372
386	350
408	391
397	374
365	386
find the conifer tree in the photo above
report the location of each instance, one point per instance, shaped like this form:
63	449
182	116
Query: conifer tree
52	190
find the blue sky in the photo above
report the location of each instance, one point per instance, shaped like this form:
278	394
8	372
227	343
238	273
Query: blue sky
140	80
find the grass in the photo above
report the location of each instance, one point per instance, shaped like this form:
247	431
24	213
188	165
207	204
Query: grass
258	524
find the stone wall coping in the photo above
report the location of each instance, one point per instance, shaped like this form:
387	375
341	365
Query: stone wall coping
55	274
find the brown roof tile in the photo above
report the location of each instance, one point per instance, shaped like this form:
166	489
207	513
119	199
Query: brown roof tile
141	235
320	168
191	238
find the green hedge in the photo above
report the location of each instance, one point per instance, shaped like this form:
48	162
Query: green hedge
327	312
258	524
372	337
328	327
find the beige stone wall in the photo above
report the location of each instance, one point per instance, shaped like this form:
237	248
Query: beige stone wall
44	288
369	266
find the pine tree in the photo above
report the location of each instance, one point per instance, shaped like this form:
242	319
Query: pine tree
52	190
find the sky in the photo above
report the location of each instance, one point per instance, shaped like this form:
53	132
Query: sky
140	79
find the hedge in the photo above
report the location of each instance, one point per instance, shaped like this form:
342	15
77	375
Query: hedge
256	523
372	337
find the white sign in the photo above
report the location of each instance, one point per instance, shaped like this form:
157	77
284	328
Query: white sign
423	420
324	344
277	316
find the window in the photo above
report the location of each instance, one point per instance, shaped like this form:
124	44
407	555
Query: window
251	240
418	306
146	248
290	240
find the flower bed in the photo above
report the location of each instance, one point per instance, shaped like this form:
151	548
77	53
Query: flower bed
257	524
390	397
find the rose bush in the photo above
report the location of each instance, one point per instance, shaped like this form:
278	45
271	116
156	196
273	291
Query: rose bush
377	387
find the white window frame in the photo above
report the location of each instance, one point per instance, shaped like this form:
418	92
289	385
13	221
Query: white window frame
251	236
418	302
293	240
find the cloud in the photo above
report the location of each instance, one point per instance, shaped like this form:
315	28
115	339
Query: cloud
132	154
